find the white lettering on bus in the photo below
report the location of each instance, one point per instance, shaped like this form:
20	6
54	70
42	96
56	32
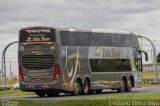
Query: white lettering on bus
38	39
113	53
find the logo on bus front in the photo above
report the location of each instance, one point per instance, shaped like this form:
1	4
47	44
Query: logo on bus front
37	52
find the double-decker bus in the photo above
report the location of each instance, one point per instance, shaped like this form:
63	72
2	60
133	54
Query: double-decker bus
68	60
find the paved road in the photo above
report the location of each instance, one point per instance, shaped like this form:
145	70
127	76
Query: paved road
107	93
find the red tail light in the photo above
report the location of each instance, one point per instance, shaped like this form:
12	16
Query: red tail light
20	73
57	72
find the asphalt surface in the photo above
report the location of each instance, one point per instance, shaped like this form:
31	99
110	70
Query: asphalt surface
105	93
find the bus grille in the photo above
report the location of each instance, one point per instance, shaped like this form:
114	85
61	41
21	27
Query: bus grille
36	62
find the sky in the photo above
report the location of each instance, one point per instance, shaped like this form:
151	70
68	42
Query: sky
141	17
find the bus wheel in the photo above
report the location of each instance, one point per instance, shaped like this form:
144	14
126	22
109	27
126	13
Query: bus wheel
99	90
78	89
41	94
52	94
123	86
129	85
86	87
91	91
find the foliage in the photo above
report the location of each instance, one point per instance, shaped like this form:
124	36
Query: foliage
12	81
95	101
13	93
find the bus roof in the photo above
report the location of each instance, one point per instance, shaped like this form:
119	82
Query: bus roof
98	30
111	31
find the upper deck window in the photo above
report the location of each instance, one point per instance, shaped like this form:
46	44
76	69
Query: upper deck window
98	39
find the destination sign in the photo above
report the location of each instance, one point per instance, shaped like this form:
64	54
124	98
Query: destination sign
37	35
37	38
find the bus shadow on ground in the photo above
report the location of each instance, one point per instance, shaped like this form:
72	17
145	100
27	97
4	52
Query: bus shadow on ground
103	94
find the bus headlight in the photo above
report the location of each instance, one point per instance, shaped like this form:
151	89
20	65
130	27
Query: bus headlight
21	48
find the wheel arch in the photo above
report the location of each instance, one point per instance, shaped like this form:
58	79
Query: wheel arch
125	78
78	78
132	79
88	78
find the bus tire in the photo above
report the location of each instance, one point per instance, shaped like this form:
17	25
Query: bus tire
86	87
91	91
52	94
78	88
129	85
123	86
41	94
98	91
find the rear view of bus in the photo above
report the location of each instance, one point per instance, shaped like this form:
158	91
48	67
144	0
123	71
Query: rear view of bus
37	69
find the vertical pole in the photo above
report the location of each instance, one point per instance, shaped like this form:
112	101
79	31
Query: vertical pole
155	80
4	62
10	68
2	74
5	75
152	57
141	44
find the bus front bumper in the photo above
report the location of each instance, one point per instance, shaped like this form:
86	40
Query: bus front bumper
48	86
38	86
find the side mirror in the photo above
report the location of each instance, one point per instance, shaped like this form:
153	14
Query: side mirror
146	56
145	53
158	58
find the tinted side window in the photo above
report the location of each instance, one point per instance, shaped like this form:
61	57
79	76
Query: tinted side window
126	41
110	65
134	41
69	38
96	39
64	36
75	38
101	39
116	40
138	60
106	39
84	38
